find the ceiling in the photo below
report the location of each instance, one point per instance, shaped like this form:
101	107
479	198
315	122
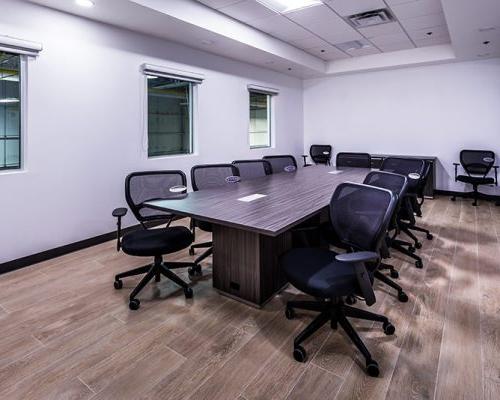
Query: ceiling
311	42
319	30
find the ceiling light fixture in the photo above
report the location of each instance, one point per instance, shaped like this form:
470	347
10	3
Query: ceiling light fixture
286	6
85	3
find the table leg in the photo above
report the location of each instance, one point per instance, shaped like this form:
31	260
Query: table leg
246	264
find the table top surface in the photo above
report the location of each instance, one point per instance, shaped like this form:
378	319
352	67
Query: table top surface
290	198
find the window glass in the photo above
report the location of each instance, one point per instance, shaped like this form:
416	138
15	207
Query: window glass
260	120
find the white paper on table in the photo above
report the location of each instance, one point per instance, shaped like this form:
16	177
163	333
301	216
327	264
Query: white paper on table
335	172
252	197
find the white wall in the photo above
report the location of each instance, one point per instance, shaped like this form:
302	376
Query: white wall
84	128
433	110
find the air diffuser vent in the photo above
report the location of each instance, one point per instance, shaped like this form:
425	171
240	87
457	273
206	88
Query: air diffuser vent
370	18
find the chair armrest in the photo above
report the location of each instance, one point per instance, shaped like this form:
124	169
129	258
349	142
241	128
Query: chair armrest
357	257
456	170
119	213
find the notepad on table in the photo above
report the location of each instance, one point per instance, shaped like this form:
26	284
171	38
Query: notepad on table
252	197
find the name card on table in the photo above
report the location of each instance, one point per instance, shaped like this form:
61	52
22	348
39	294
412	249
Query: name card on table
252	197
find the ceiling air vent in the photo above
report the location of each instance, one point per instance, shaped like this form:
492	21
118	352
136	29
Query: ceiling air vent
370	18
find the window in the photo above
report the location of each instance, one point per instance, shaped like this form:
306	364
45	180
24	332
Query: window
170	116
10	111
260	120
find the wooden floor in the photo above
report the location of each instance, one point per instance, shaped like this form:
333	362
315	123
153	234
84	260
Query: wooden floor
66	333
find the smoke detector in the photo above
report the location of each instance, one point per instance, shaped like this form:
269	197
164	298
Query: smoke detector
370	18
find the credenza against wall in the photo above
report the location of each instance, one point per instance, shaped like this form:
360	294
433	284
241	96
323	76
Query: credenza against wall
377	160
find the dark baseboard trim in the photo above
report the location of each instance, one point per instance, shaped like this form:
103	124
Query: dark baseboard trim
482	196
62	250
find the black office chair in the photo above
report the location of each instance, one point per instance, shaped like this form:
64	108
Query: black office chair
250	169
413	169
141	187
358	160
282	163
321	153
477	164
360	215
209	176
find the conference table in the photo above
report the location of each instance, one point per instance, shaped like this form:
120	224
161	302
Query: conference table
252	222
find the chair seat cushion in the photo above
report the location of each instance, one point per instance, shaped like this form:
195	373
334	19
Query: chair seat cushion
476	180
204	226
152	242
317	273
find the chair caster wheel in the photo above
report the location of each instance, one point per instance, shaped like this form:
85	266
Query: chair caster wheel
412	249
194	271
372	368
430	236
118	284
188	293
134	304
350	300
419	264
289	313
299	354
191	252
418	245
402	297
389	328
394	274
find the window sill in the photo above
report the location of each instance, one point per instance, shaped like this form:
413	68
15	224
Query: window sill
172	156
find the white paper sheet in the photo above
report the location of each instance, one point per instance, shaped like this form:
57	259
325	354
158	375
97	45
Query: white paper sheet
252	197
335	172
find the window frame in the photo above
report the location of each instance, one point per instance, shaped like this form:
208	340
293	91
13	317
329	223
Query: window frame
22	117
271	93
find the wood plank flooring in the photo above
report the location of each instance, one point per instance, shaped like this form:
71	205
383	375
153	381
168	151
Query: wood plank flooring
66	333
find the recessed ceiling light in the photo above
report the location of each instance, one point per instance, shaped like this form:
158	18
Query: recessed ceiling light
285	6
85	3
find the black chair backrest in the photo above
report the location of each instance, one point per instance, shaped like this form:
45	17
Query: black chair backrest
282	163
152	185
321	153
210	176
360	215
358	160
396	183
412	168
477	162
250	169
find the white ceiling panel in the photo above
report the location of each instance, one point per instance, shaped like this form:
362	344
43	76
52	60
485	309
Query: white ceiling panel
247	10
363	52
417	9
349	7
310	43
405	45
392	28
323	21
390	39
283	28
328	53
219	3
432	41
396	2
423	22
437	31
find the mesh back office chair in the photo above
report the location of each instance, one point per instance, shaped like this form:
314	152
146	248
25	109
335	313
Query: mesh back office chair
209	176
413	169
397	184
477	164
250	169
139	188
360	215
282	163
321	153
358	160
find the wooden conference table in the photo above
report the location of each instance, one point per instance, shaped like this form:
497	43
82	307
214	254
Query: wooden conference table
249	236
